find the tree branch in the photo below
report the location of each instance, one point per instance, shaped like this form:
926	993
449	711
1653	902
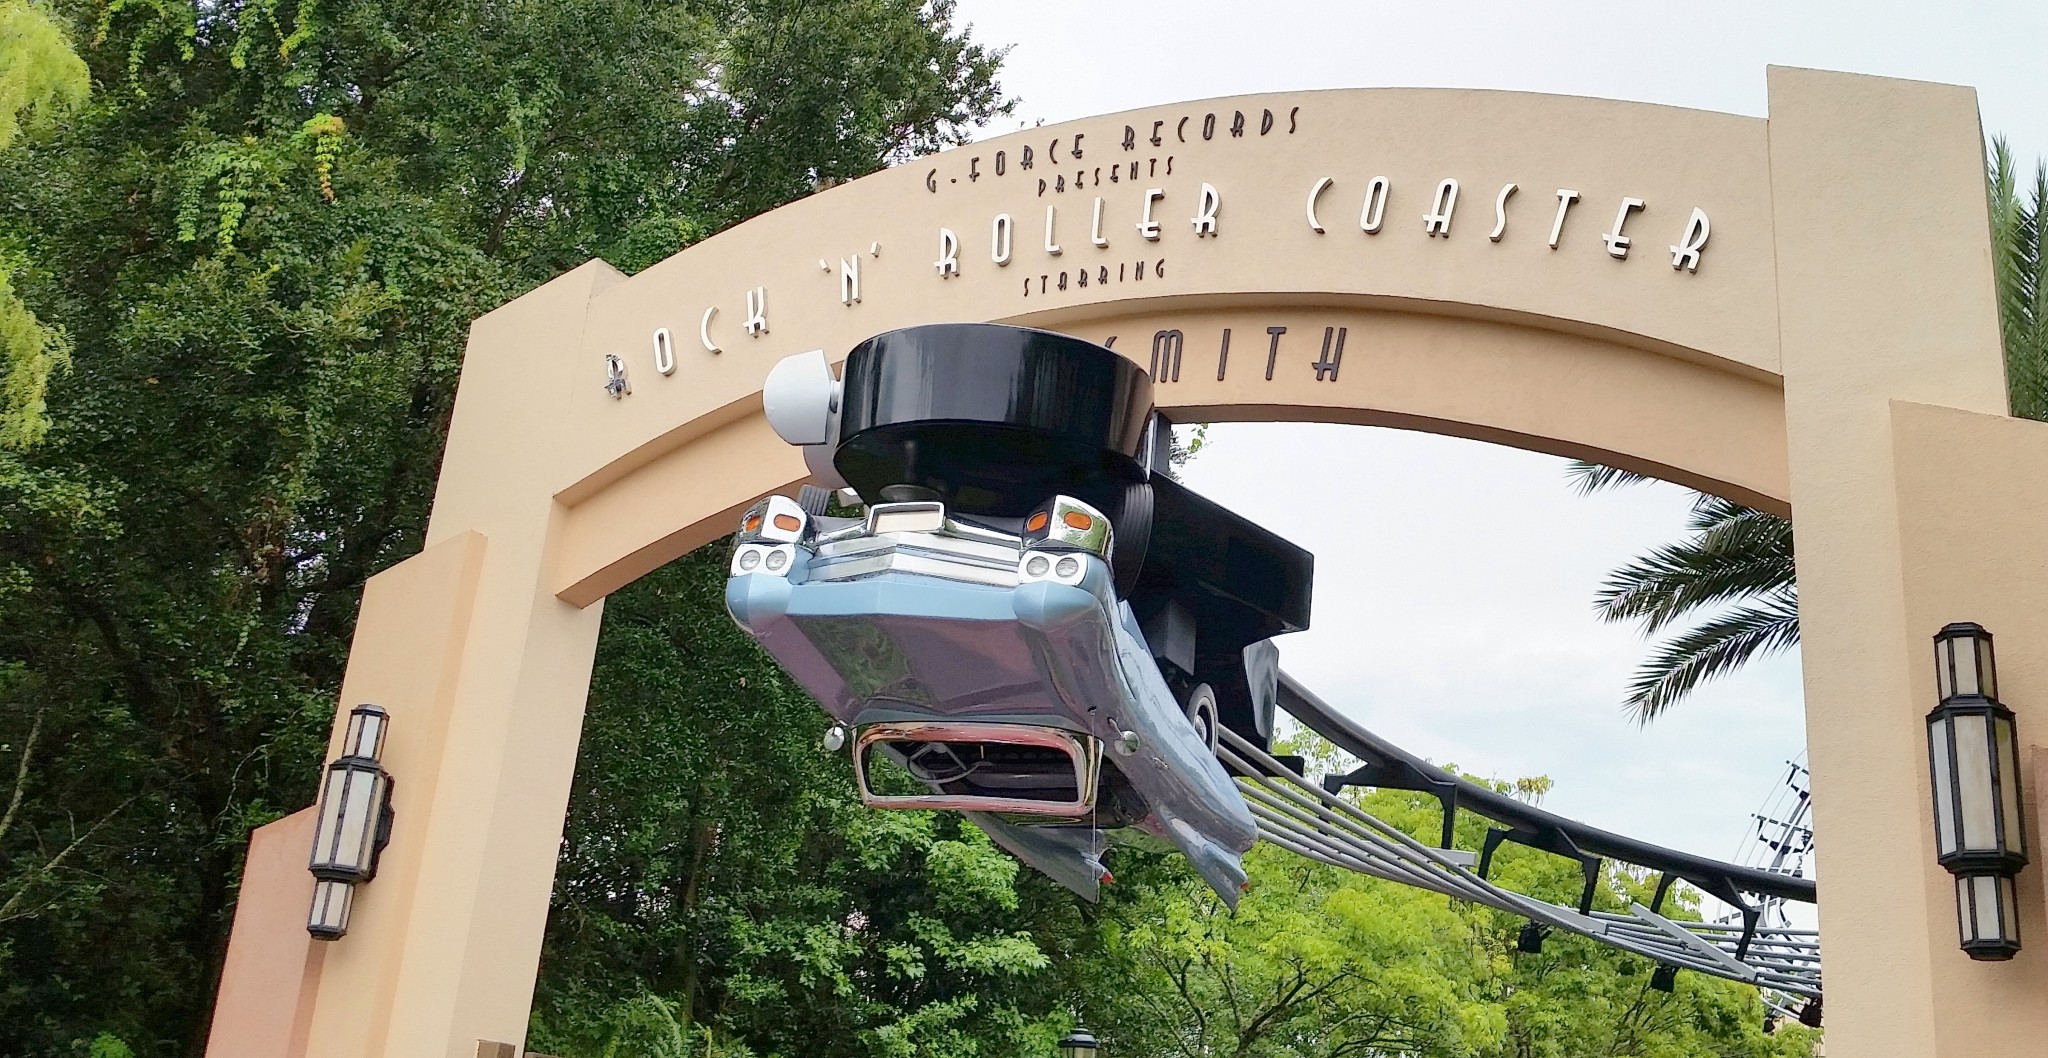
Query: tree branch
28	749
7	910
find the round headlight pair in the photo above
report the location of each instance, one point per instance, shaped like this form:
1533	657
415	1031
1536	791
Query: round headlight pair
753	557
1066	568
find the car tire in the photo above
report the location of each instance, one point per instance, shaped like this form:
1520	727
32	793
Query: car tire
1132	526
1203	715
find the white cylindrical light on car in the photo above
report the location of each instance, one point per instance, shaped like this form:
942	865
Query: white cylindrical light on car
798	398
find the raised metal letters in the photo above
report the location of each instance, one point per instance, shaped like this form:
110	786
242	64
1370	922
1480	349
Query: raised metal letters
1374	212
1686	254
1314	193
1617	243
1565	197
1438	220
1500	212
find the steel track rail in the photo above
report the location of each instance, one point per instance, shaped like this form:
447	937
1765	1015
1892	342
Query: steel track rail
1310	821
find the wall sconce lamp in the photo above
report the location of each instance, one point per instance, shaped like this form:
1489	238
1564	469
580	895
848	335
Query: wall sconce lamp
354	822
1979	824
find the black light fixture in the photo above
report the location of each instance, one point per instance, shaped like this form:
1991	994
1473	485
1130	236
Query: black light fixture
353	824
1079	1043
1979	821
1530	940
1664	978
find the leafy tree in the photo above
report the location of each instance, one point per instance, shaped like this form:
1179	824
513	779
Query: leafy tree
1320	961
40	78
722	881
1734	575
262	240
265	237
1315	961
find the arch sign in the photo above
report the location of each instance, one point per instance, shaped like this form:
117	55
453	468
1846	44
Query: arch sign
1795	312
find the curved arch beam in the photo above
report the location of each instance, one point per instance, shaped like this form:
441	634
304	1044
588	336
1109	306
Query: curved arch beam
1540	389
1604	321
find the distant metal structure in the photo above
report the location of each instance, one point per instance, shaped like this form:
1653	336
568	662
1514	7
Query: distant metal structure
1779	840
1760	947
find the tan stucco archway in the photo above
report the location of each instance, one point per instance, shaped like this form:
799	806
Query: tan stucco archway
1834	340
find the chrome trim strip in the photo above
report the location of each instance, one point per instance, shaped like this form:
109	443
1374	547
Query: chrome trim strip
991	552
864	565
1085	753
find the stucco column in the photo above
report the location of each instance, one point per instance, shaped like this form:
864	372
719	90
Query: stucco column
1884	291
1974	531
485	672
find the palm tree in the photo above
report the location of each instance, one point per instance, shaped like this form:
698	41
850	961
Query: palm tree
1733	575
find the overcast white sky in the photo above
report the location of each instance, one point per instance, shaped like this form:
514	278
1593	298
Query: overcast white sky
1454	579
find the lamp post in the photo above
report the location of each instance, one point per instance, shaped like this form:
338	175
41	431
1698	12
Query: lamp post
1079	1043
353	824
1979	824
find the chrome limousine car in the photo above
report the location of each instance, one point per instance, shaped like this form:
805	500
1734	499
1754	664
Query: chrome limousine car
994	640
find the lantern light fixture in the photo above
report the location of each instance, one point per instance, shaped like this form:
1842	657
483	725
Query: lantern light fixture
1079	1043
353	823
1979	821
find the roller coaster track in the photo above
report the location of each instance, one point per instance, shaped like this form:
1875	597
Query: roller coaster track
1313	821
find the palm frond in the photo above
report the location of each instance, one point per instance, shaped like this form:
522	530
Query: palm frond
1715	647
1587	478
1738	554
1742	557
2021	264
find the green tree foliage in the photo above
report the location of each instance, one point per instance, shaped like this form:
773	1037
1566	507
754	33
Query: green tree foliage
2019	247
1734	574
1322	962
721	881
265	238
40	78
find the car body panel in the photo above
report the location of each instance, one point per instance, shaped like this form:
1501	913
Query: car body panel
910	643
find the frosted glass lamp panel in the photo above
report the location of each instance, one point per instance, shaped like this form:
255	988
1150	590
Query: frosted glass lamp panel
1976	803
365	736
1944	796
2009	785
329	917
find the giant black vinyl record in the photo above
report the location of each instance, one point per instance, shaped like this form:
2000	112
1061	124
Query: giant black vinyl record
992	419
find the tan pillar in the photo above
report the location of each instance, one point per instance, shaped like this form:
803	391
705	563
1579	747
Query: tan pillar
485	673
273	964
1976	537
1866	175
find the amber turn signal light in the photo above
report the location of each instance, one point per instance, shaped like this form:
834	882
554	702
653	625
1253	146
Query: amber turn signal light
1077	520
787	522
1036	523
752	524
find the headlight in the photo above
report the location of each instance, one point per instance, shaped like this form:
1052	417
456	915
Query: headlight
769	558
1069	568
